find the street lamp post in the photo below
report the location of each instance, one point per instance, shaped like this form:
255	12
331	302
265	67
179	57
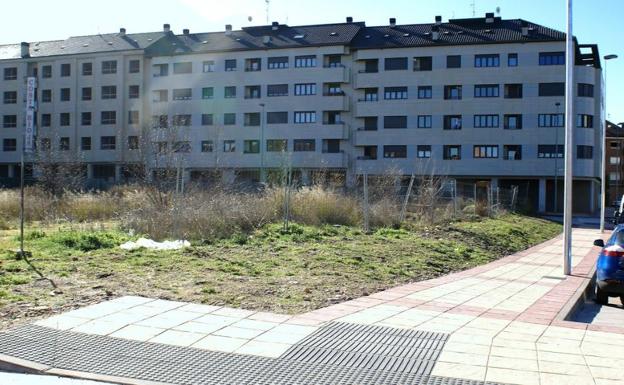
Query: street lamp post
569	132
556	206
603	179
262	119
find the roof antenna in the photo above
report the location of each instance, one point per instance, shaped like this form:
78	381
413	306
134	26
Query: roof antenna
474	8
267	10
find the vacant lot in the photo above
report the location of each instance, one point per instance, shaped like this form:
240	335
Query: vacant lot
305	268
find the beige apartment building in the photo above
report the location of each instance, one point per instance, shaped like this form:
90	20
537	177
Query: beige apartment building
477	100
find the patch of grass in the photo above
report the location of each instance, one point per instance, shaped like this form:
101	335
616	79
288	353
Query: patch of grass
88	241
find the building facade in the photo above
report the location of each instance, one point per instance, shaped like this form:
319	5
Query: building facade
614	147
478	100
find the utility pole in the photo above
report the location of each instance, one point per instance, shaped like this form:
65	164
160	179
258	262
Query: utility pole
262	121
569	132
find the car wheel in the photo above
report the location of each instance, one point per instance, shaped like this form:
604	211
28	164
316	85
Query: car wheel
601	296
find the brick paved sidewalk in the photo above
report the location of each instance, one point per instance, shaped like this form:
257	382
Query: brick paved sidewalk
502	320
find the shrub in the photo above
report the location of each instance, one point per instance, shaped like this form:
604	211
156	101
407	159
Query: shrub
87	241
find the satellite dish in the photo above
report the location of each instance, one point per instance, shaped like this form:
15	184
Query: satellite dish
249	18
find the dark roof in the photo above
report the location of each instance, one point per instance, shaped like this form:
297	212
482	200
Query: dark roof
614	130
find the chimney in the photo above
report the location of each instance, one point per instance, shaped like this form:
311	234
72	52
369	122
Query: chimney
349	19
266	39
525	28
25	49
392	22
435	32
489	18
438	20
228	29
275	26
166	28
186	31
122	32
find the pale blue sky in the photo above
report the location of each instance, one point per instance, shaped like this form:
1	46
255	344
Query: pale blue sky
596	21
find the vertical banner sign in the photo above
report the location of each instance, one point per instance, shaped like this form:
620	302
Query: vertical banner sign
29	133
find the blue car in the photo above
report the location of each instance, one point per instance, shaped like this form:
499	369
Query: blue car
610	267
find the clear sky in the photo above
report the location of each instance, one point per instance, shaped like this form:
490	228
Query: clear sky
596	21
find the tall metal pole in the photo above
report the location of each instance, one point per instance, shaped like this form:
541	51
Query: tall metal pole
262	119
556	206
22	202
569	132
603	168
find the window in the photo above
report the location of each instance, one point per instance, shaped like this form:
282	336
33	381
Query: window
305	61
87	93
451	152
551	58
85	143
161	70
229	92
10	73
160	95
395	151
109	92
252	92
370	153
85	119
208	66
207	120
87	69
183	94
46	96
584	152
423	63
109	67
305	117
183	68
277	90
614	145
485	152
331	146
393	93
10	97
452	92
550	120
276	145
333	61
370	95
452	122
9	121
181	120
279	62
584	121
161	147
424	92
550	151
395	121
371	66
64	143
333	89
277	117
65	96
424	121
9	145
133	92
552	89
614	176
229	146
512	152
332	117
304	145
615	160
512	60
64	119
108	117
486	91
207	92
252	119
395	63
513	91
512	122
305	89
134	66
230	65
253	65
46	120
46	71
133	117
107	142
183	147
65	70
229	119
133	142
423	151
491	60
251	146
453	61
481	121
207	146
586	90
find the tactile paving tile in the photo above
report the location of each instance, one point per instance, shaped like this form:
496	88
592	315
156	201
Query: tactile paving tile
180	365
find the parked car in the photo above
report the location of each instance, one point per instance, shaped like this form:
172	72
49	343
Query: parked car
610	267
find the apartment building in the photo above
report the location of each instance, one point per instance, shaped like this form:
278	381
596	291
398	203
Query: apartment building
478	100
614	147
